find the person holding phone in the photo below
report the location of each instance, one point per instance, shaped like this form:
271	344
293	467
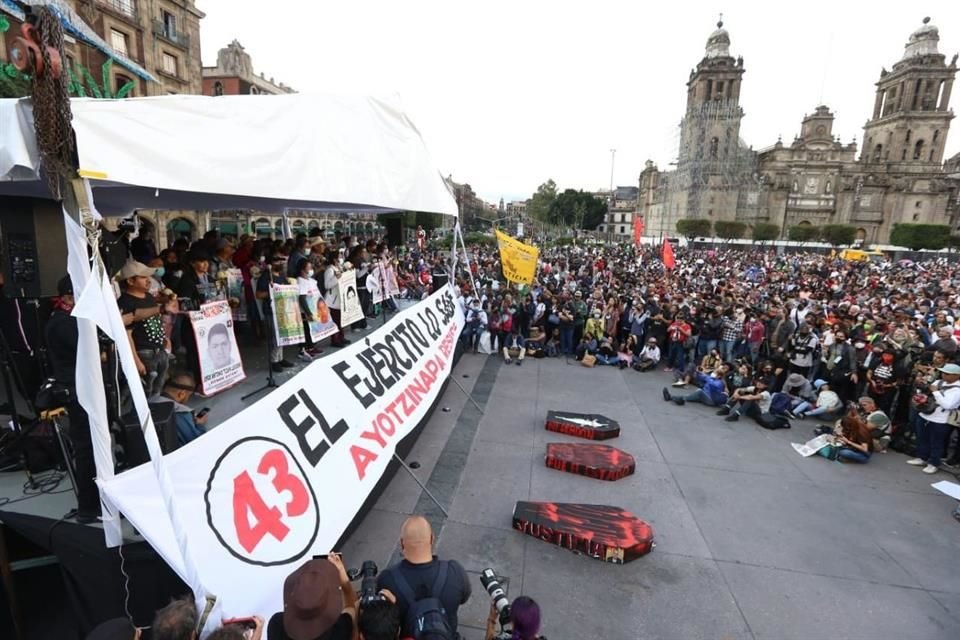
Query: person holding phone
179	389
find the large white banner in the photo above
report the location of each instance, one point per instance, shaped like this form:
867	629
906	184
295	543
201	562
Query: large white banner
220	363
278	483
350	308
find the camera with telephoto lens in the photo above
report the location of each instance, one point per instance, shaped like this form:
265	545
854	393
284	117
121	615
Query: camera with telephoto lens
498	596
367	573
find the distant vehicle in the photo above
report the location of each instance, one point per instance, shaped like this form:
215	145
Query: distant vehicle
860	255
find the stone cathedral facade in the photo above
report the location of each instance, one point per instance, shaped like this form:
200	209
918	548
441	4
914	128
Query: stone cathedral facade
897	175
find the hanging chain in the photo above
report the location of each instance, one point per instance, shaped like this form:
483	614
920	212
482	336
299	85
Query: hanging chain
51	105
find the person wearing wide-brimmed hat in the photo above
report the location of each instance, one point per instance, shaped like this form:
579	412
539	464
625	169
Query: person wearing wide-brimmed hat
319	603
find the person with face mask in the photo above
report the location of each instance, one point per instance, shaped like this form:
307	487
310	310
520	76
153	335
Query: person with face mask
308	290
143	316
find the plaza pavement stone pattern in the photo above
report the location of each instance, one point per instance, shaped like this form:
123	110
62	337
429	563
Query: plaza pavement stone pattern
753	541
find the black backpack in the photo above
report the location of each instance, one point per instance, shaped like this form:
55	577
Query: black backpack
427	617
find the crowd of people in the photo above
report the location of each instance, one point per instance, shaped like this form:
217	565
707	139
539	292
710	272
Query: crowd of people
417	598
869	348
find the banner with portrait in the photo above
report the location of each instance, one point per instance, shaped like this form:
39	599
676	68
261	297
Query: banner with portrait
287	320
384	278
322	324
220	363
235	295
518	260
280	482
350	308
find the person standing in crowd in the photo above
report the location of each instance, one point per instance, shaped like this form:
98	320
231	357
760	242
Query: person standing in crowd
143	317
62	337
299	253
422	575
933	429
222	258
331	288
731	332
678	333
276	274
802	348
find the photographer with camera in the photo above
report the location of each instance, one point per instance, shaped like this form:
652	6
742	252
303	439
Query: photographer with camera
429	591
933	427
319	603
519	620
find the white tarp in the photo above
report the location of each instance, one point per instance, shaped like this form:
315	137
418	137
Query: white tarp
236	152
280	481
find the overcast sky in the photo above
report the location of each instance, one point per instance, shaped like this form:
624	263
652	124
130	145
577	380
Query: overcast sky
509	93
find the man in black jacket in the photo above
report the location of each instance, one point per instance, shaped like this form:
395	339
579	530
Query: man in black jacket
418	572
62	338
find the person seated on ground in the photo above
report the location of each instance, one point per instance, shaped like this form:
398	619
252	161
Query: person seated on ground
176	621
649	356
586	345
318	603
708	364
738	377
179	389
607	351
795	390
626	355
753	401
421	575
827	405
514	347
855	438
712	391
878	421
552	345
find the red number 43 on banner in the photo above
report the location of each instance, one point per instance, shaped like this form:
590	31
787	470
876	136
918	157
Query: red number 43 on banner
271	515
247	502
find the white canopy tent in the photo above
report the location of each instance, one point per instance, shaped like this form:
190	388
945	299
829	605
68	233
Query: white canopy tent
265	153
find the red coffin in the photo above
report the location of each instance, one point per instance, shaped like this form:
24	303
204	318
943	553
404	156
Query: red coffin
606	533
599	461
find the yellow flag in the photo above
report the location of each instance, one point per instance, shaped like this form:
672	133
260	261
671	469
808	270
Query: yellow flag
519	260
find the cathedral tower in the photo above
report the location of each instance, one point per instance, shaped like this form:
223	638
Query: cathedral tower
911	114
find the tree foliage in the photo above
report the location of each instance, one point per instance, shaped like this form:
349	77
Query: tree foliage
838	234
577	209
764	231
803	233
729	229
920	236
694	227
540	203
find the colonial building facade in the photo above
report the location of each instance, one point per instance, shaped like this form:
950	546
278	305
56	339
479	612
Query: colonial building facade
898	176
234	75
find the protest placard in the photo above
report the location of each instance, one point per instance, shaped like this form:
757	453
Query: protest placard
287	321
220	364
350	308
238	301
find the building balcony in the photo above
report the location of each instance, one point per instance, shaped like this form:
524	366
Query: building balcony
126	9
172	36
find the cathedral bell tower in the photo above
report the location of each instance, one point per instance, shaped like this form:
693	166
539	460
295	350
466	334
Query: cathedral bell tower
710	131
911	114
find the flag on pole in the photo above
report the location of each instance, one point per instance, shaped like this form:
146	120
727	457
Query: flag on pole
518	260
669	261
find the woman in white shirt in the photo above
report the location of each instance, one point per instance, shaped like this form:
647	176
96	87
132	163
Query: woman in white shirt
331	285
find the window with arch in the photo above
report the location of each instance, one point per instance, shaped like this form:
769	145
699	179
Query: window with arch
918	150
909	132
878	153
933	152
714	145
218	88
254	91
828	188
119	82
936	136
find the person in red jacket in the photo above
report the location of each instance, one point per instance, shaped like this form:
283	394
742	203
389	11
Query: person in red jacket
678	333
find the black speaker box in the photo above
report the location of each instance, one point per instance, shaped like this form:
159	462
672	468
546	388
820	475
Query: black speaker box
34	246
134	445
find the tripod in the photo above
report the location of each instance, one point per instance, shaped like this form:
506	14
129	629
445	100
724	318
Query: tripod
270	383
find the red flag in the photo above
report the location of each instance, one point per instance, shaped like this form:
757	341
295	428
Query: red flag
637	230
668	260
